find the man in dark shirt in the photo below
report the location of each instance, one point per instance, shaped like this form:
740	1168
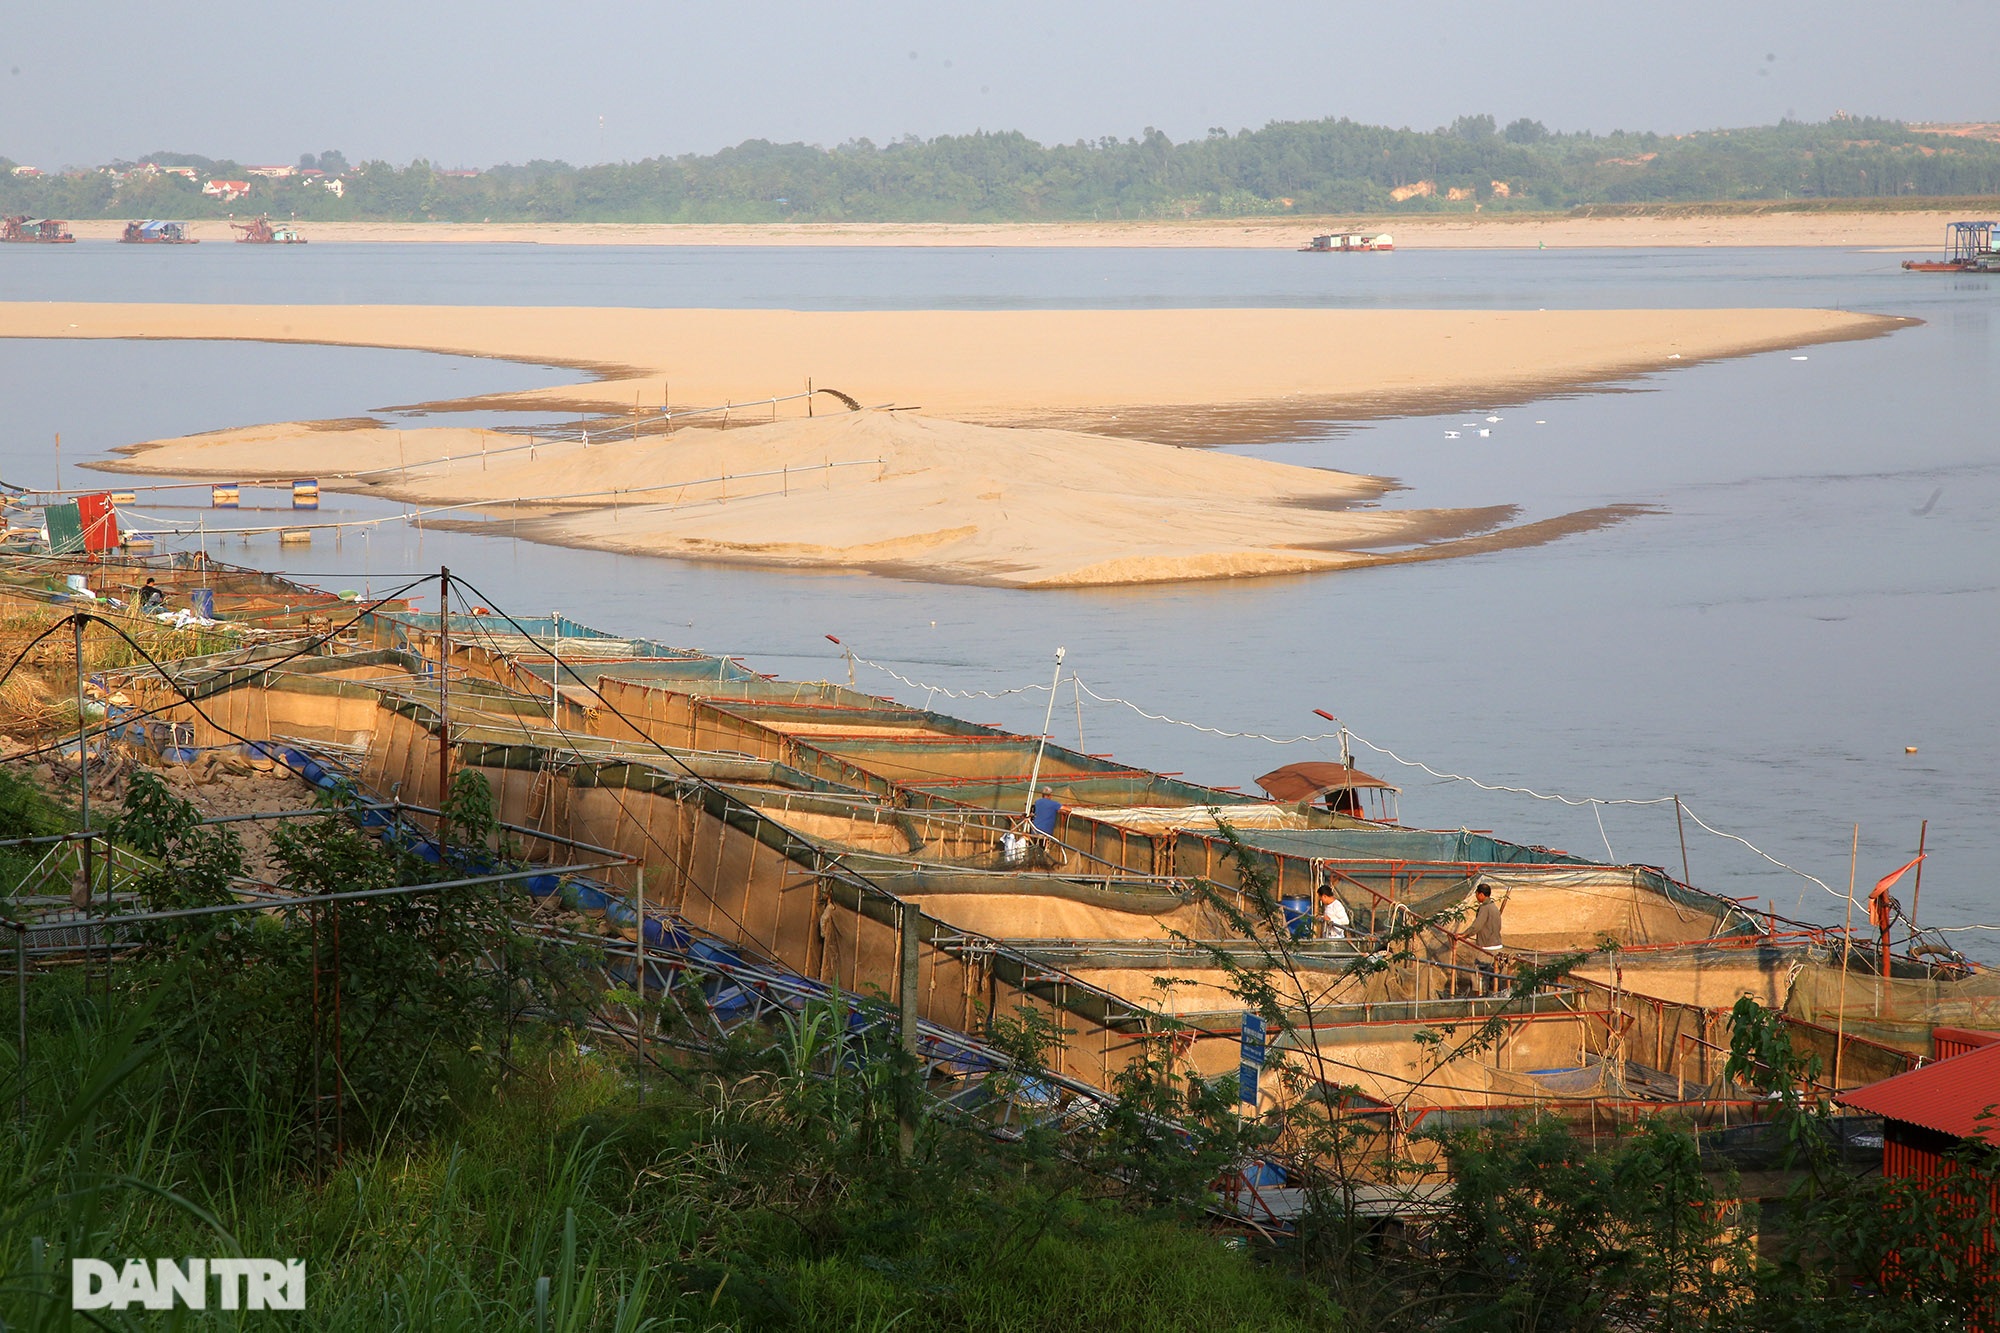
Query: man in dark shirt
1485	937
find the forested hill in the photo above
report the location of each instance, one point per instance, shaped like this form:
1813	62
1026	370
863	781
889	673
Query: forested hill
1309	167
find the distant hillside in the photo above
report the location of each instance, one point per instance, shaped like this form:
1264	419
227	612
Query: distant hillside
1306	167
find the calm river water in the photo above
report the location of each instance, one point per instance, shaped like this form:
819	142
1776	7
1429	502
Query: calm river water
1821	591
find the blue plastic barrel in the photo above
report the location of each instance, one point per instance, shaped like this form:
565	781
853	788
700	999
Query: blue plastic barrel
710	952
1298	916
659	935
585	898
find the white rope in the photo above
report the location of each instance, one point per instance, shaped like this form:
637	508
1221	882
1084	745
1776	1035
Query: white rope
1593	801
1597	809
948	693
1517	791
1811	879
1196	726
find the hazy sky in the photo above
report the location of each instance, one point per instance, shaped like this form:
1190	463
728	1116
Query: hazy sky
469	84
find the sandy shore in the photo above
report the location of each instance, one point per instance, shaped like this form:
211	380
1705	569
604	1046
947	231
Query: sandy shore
1888	231
1169	375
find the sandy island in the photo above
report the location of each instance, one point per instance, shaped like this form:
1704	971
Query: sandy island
993	482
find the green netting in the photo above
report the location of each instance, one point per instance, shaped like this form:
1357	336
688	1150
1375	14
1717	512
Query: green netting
1403	845
1900	1011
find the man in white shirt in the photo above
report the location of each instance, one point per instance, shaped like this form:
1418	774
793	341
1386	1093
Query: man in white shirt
1333	915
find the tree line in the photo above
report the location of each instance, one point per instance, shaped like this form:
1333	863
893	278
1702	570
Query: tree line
1296	167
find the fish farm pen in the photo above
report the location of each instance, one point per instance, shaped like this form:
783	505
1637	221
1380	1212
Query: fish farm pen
747	845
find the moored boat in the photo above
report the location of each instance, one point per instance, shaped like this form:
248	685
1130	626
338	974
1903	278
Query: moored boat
260	230
151	232
1968	248
21	229
1348	243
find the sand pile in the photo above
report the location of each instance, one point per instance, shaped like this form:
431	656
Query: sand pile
894	492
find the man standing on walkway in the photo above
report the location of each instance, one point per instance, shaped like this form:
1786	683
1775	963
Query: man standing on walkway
1486	938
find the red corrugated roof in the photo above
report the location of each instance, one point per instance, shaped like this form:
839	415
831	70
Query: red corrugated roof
1947	1095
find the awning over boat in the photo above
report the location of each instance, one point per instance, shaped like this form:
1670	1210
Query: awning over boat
1302	782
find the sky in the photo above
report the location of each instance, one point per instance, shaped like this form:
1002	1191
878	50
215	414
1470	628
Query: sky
471	85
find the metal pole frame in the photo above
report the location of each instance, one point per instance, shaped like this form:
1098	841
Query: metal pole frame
1035	774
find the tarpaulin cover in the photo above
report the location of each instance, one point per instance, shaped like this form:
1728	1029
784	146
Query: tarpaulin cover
100	522
1301	782
65	529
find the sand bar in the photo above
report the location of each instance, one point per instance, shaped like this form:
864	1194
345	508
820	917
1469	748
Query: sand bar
1456	231
1171	375
889	492
965	479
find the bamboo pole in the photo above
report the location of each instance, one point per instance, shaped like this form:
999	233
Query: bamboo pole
1846	949
1681	826
444	697
1917	892
640	983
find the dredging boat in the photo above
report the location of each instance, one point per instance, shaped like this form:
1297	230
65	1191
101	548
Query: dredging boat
1347	243
260	230
1968	248
151	232
23	230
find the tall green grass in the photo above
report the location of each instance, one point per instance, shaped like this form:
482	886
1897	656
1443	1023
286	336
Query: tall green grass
549	1200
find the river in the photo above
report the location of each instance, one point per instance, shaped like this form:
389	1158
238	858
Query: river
1820	590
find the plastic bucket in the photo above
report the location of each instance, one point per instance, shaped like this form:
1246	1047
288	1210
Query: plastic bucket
1298	916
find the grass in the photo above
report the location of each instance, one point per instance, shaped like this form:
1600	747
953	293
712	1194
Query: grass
551	1200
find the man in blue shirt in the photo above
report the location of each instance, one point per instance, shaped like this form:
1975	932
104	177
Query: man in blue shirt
1044	813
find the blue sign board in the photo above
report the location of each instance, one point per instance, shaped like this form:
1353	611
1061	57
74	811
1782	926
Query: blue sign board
1253	1057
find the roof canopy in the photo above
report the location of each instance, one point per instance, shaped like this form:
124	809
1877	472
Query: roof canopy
1302	782
1946	1095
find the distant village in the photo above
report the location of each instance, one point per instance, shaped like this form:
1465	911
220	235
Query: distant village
225	182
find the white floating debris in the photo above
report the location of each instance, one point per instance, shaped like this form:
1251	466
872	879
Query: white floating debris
1451	435
1493	418
1541	423
1483	433
1798	358
1673	356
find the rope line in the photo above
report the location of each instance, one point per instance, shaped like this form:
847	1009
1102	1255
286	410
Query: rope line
945	691
1593	801
1196	726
